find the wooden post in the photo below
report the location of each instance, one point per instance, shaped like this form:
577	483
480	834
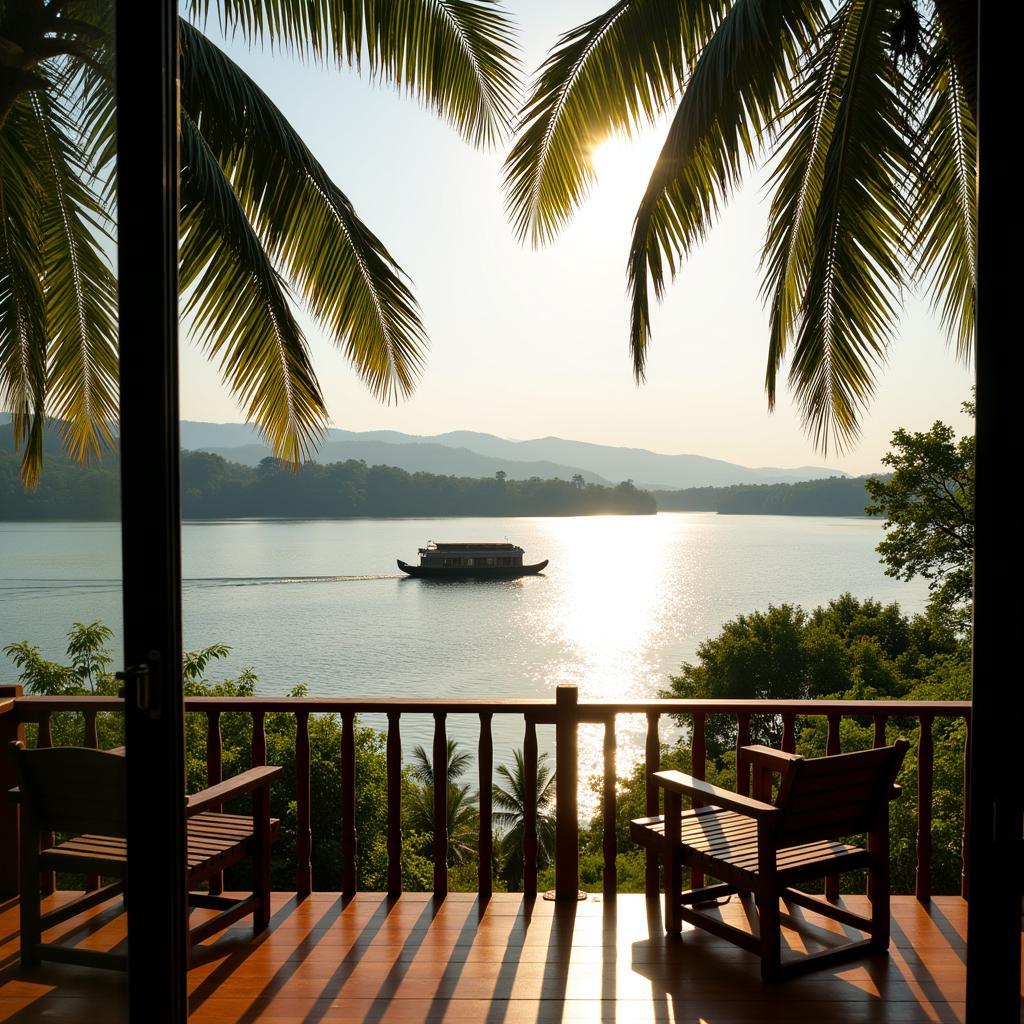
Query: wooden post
214	774
699	767
925	772
394	770
348	805
259	738
530	809
832	746
672	865
10	730
485	763
964	844
789	733
609	839
742	769
440	806
652	883
44	738
303	829
567	847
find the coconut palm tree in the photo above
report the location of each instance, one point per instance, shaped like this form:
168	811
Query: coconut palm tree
463	816
263	225
863	113
510	816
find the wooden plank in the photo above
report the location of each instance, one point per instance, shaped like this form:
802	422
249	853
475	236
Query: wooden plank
440	806
485	766
394	781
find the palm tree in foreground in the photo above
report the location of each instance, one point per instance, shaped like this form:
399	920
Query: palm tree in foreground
262	222
510	816
863	111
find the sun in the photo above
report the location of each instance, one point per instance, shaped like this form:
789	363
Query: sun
622	166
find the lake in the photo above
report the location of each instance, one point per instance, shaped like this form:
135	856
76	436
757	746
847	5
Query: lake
625	600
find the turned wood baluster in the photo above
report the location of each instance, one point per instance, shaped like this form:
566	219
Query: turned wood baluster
652	884
485	762
789	733
609	842
530	809
832	746
440	806
348	805
878	740
259	739
394	768
964	846
742	740
567	819
214	774
48	879
698	767
303	829
925	774
92	882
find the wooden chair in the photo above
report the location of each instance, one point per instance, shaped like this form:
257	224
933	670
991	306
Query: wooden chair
81	793
755	846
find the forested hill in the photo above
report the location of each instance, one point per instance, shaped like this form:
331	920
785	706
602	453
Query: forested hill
213	488
834	496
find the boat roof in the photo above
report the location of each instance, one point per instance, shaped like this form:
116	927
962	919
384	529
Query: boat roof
463	545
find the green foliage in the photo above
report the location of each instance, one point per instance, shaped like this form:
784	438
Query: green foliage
928	502
262	222
835	496
509	816
869	143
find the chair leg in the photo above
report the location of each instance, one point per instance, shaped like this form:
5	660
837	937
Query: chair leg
770	927
673	864
261	858
878	844
30	932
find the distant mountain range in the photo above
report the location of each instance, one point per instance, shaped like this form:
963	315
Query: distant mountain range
468	453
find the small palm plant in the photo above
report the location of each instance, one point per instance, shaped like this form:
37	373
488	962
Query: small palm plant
463	817
510	817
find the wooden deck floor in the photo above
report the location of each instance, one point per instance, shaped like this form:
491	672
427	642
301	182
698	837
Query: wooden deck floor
415	959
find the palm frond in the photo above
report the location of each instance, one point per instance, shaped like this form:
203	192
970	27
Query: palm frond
79	287
835	246
944	203
239	308
608	75
349	281
22	306
727	113
457	56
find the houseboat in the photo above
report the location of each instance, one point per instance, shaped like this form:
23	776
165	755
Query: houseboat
471	560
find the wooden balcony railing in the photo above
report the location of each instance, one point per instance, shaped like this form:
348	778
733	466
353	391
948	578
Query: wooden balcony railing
566	712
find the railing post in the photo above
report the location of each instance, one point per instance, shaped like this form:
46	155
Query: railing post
44	738
440	765
214	774
698	767
530	849
10	730
348	804
567	846
925	770
485	763
394	770
832	746
964	845
609	839
652	751
303	831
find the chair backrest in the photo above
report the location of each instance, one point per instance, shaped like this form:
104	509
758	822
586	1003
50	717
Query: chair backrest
73	789
839	795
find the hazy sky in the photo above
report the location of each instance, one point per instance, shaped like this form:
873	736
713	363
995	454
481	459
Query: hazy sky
529	343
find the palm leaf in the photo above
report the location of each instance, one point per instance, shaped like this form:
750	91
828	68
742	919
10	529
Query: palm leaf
944	204
457	56
79	287
308	227
22	306
610	74
727	112
239	307
835	244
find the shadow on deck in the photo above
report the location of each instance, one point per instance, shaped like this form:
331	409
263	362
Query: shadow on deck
509	960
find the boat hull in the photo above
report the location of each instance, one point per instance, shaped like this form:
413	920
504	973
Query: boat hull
494	572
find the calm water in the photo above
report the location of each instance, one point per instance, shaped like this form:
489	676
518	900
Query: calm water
623	603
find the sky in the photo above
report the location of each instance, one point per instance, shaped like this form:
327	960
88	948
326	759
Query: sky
529	343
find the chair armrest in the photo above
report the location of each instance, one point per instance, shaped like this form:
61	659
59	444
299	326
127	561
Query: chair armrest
767	757
687	785
246	782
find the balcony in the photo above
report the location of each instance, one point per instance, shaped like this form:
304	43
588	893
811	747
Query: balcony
493	956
